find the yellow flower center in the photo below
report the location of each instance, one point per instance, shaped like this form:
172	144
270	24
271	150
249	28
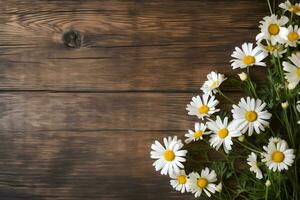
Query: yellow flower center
169	155
198	134
273	29
181	179
294	9
271	48
222	133
278	156
298	71
203	109
214	84
293	36
248	60
202	182
251	116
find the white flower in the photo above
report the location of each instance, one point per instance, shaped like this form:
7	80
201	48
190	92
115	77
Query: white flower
275	140
249	115
204	182
212	84
270	29
219	187
252	161
292	74
287	6
276	50
179	181
278	156
247	56
200	130
243	76
268	183
202	107
284	105
223	133
291	35
169	157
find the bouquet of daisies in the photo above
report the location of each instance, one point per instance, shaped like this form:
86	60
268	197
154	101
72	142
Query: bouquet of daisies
249	150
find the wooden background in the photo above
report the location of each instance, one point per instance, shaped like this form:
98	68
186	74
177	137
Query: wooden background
87	86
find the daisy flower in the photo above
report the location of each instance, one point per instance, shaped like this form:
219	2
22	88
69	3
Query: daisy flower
275	140
200	130
270	29
291	35
247	56
292	74
223	133
276	50
202	107
252	161
212	84
250	115
293	8
203	182
179	181
278	156
169	157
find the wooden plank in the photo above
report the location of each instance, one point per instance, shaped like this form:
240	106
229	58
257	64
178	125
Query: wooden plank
126	45
21	111
75	165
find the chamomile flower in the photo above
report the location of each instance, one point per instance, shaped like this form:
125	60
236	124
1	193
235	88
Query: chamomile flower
250	115
223	132
278	156
200	130
202	107
292	74
203	182
169	157
276	50
291	35
252	161
270	29
247	56
293	8
275	140
213	82
179	181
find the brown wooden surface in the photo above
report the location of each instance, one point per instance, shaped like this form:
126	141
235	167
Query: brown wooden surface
78	117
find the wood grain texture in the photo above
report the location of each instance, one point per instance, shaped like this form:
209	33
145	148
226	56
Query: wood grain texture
81	165
23	111
87	85
126	45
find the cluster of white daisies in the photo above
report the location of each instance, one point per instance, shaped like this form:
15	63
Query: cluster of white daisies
249	116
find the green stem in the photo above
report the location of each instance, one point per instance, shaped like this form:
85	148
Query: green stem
270	8
249	148
250	83
226	97
266	194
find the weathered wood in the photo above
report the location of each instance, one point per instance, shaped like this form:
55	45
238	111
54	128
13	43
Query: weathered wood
82	165
126	45
87	86
95	111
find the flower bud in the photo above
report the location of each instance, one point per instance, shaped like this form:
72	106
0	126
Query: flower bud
243	76
284	105
268	183
219	187
241	138
291	87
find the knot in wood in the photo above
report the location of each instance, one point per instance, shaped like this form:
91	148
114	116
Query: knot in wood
73	39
